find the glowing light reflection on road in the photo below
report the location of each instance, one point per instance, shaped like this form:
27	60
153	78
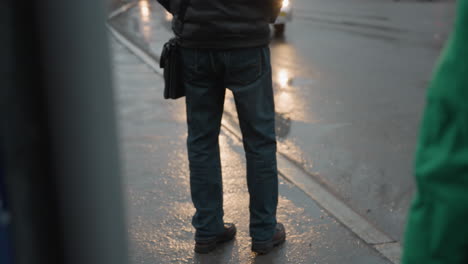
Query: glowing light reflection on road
168	16
144	10
283	78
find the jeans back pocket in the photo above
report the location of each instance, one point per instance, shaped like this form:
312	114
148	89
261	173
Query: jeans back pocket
244	66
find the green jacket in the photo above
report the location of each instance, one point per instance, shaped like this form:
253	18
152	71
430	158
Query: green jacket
437	228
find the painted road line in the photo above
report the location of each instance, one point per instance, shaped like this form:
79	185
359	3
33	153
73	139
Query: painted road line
140	53
392	251
121	10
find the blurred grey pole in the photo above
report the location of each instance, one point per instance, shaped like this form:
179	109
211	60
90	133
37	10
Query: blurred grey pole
58	132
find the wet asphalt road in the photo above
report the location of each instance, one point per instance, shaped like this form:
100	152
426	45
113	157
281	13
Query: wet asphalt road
350	80
357	73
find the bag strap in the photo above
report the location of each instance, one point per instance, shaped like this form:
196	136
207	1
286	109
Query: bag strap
182	10
181	16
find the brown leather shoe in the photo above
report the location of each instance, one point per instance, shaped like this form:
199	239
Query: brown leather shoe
206	246
263	247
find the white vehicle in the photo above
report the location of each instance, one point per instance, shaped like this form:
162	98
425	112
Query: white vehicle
284	17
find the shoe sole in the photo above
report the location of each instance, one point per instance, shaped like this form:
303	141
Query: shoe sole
264	249
207	248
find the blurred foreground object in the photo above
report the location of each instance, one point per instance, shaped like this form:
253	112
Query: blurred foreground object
437	230
58	134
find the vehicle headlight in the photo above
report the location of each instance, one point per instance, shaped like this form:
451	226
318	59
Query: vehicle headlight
285	3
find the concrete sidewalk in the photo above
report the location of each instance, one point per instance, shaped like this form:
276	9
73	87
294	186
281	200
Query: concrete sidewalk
153	133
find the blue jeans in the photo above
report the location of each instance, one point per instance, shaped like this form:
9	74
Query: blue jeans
247	73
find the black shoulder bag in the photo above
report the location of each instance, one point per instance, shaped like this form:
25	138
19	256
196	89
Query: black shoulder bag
170	61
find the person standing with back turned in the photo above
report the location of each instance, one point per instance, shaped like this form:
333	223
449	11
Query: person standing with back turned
224	43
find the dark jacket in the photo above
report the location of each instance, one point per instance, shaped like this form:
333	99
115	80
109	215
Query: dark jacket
224	24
